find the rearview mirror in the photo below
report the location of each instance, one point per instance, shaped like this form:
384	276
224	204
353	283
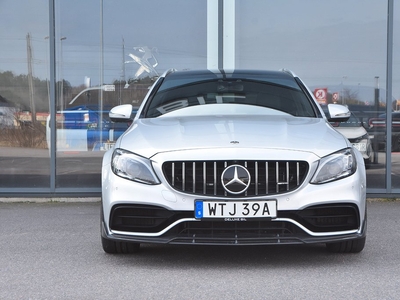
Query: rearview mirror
123	113
338	113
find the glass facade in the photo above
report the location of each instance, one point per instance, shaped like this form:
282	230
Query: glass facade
24	61
64	64
395	155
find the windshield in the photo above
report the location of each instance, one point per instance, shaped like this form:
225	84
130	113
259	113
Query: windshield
288	99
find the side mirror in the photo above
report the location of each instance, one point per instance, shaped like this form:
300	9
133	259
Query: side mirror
123	113
338	113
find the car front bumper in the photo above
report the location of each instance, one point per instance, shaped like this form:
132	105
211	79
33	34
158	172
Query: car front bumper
288	228
330	212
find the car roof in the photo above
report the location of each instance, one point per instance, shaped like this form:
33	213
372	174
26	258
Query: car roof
238	72
175	78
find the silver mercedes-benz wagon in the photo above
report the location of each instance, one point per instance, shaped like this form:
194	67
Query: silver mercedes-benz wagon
240	157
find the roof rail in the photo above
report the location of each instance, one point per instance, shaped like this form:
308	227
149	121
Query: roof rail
169	71
287	71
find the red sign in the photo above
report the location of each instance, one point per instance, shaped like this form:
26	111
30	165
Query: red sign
320	95
335	97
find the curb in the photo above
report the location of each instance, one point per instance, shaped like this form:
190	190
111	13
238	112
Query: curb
50	200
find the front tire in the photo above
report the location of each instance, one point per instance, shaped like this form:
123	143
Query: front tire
351	246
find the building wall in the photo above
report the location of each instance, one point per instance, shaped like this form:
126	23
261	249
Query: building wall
63	64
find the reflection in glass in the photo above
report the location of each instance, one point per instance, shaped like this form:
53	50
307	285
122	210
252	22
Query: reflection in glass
328	51
140	40
396	94
24	98
343	51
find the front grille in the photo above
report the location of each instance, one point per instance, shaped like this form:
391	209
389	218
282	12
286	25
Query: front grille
204	177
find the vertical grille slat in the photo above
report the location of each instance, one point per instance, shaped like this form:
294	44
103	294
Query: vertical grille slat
173	174
287	176
225	165
183	176
194	178
215	178
204	177
256	178
277	176
266	178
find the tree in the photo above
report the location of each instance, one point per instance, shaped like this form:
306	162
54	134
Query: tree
16	90
350	96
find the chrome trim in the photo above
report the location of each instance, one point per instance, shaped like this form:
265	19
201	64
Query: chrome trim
311	233
204	178
183	177
245	165
315	233
150	234
215	178
194	177
173	174
236	178
266	178
256	178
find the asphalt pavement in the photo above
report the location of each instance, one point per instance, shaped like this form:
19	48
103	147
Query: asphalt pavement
52	250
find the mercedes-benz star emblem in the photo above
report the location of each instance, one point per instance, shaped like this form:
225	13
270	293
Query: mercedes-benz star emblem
235	179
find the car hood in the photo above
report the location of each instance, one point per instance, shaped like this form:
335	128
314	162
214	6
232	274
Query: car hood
352	132
147	137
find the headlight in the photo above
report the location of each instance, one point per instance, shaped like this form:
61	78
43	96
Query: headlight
335	166
361	138
133	167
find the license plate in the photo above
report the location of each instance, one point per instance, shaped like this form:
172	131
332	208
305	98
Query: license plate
360	146
237	210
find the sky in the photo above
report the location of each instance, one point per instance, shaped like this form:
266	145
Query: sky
340	44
